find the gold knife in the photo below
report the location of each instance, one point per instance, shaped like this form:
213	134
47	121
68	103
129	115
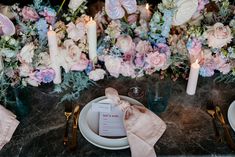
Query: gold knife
75	126
227	135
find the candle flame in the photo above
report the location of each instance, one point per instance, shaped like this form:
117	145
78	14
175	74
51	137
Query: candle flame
50	28
197	61
147	6
91	19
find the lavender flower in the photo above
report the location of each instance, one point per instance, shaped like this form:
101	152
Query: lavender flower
46	75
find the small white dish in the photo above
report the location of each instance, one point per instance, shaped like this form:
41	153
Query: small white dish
231	115
88	125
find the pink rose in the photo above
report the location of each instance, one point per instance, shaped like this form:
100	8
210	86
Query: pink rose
113	65
132	18
127	70
222	65
29	14
143	47
156	59
97	74
139	60
218	35
124	42
49	14
82	64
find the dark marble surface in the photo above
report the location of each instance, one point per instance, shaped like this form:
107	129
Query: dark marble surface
189	128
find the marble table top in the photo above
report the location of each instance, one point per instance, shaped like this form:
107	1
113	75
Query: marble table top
189	128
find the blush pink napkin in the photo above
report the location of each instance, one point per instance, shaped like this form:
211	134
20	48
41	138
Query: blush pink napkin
143	127
8	124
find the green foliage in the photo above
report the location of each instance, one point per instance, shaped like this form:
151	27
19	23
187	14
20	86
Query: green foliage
73	83
4	85
229	78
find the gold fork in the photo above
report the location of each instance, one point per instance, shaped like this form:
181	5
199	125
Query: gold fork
67	113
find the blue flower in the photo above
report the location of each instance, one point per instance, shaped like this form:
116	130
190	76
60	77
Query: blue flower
167	23
42	25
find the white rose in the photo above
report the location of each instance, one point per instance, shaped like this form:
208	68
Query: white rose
74	4
27	52
97	74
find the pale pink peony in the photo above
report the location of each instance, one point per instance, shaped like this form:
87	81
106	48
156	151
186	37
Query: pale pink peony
218	35
156	60
6	26
82	64
113	65
76	32
29	14
143	47
97	74
124	42
127	69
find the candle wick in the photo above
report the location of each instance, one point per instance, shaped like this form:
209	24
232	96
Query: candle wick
197	61
50	28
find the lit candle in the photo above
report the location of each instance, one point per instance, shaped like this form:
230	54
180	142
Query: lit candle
92	40
193	77
53	49
147	6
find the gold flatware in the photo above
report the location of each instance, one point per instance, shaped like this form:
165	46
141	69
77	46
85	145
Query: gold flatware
67	113
227	135
75	126
211	111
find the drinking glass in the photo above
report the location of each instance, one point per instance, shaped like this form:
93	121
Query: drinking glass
158	95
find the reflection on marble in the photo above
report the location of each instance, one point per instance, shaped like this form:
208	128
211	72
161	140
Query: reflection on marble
189	127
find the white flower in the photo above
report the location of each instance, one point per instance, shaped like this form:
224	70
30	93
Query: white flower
76	32
74	4
97	74
27	52
218	35
25	70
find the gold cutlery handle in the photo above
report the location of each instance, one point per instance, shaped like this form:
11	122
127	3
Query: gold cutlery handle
217	134
228	137
66	133
74	139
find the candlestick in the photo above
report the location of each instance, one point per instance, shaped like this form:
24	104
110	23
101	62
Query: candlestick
193	77
1	63
92	40
53	49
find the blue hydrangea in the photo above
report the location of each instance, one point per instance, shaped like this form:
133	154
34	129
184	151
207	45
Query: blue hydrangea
206	72
167	23
42	30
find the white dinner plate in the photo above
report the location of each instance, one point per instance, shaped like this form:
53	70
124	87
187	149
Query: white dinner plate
231	115
88	124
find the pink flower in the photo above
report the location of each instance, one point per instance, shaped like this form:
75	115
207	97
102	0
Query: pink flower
29	14
97	74
163	48
139	60
76	32
45	75
25	70
49	14
156	60
82	64
113	65
222	65
127	69
132	18
124	42
6	26
218	35
145	14
143	47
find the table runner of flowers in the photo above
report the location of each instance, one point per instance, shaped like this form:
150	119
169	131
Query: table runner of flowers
132	42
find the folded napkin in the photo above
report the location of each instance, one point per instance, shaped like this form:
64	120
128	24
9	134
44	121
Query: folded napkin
8	124
143	127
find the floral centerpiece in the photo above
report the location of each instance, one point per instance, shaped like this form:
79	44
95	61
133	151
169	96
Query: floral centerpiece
133	40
